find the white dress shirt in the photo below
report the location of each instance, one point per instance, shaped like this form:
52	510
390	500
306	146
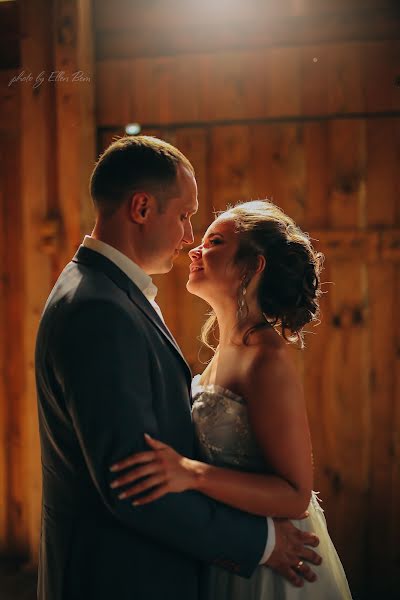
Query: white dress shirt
145	284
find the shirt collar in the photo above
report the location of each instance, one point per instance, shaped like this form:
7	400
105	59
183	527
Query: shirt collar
143	281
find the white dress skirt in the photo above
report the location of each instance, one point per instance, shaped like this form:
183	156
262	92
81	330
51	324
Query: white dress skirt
225	439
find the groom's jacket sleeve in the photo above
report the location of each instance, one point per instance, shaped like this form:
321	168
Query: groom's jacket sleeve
102	364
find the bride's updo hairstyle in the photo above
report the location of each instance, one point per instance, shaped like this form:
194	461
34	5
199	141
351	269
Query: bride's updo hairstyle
290	284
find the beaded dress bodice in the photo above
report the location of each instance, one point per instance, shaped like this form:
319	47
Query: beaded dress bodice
224	435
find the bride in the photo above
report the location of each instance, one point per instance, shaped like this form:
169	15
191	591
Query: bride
260	274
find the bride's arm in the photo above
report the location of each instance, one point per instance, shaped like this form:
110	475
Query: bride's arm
278	418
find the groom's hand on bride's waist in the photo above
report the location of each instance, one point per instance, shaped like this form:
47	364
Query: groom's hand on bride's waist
292	553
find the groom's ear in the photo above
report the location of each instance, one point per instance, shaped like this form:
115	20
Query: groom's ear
140	206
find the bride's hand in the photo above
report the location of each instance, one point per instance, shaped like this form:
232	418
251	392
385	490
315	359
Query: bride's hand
164	471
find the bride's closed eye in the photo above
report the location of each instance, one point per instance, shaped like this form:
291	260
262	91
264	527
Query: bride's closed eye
214	241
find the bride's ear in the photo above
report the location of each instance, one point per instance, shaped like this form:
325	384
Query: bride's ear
261	264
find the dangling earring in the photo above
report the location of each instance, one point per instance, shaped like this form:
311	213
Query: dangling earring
243	309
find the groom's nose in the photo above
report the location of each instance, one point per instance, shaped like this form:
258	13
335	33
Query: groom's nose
188	237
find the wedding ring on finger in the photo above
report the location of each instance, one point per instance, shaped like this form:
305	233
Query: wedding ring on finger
299	565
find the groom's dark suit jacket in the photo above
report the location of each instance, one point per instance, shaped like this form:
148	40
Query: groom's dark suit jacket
108	370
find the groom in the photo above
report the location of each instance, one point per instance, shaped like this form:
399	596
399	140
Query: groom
108	370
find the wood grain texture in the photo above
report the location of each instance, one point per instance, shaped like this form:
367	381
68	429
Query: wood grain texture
230	160
13	514
228	108
3	380
160	13
345	458
37	162
9	92
326	174
137	29
47	148
383	471
347	173
299	103
382	173
333	79
394	517
277	164
74	107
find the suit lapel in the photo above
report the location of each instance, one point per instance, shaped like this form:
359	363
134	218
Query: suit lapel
99	262
141	302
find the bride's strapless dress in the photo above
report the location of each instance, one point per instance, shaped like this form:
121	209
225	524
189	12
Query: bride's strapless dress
225	439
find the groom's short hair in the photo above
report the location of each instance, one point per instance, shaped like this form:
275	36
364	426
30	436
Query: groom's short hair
132	164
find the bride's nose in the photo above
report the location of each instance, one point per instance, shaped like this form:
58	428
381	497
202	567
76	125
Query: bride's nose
195	253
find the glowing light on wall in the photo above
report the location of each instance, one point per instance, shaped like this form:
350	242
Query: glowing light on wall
132	128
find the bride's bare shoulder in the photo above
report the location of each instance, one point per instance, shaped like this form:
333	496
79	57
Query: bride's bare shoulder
266	342
269	357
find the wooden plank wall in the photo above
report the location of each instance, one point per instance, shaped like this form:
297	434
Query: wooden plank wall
47	149
310	117
296	100
10	306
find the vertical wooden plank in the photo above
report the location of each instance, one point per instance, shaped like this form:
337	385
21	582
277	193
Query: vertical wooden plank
152	90
75	154
13	514
348	162
382	172
85	61
314	80
282	73
17	531
277	166
316	149
112	77
382	315
317	355
350	77
3	333
194	144
225	79
394	517
380	72
260	161
37	163
191	71
331	79
347	403
230	165
239	81
9	182
346	93
74	106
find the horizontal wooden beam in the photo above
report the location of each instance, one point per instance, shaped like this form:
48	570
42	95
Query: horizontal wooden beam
159	14
116	130
132	33
286	82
